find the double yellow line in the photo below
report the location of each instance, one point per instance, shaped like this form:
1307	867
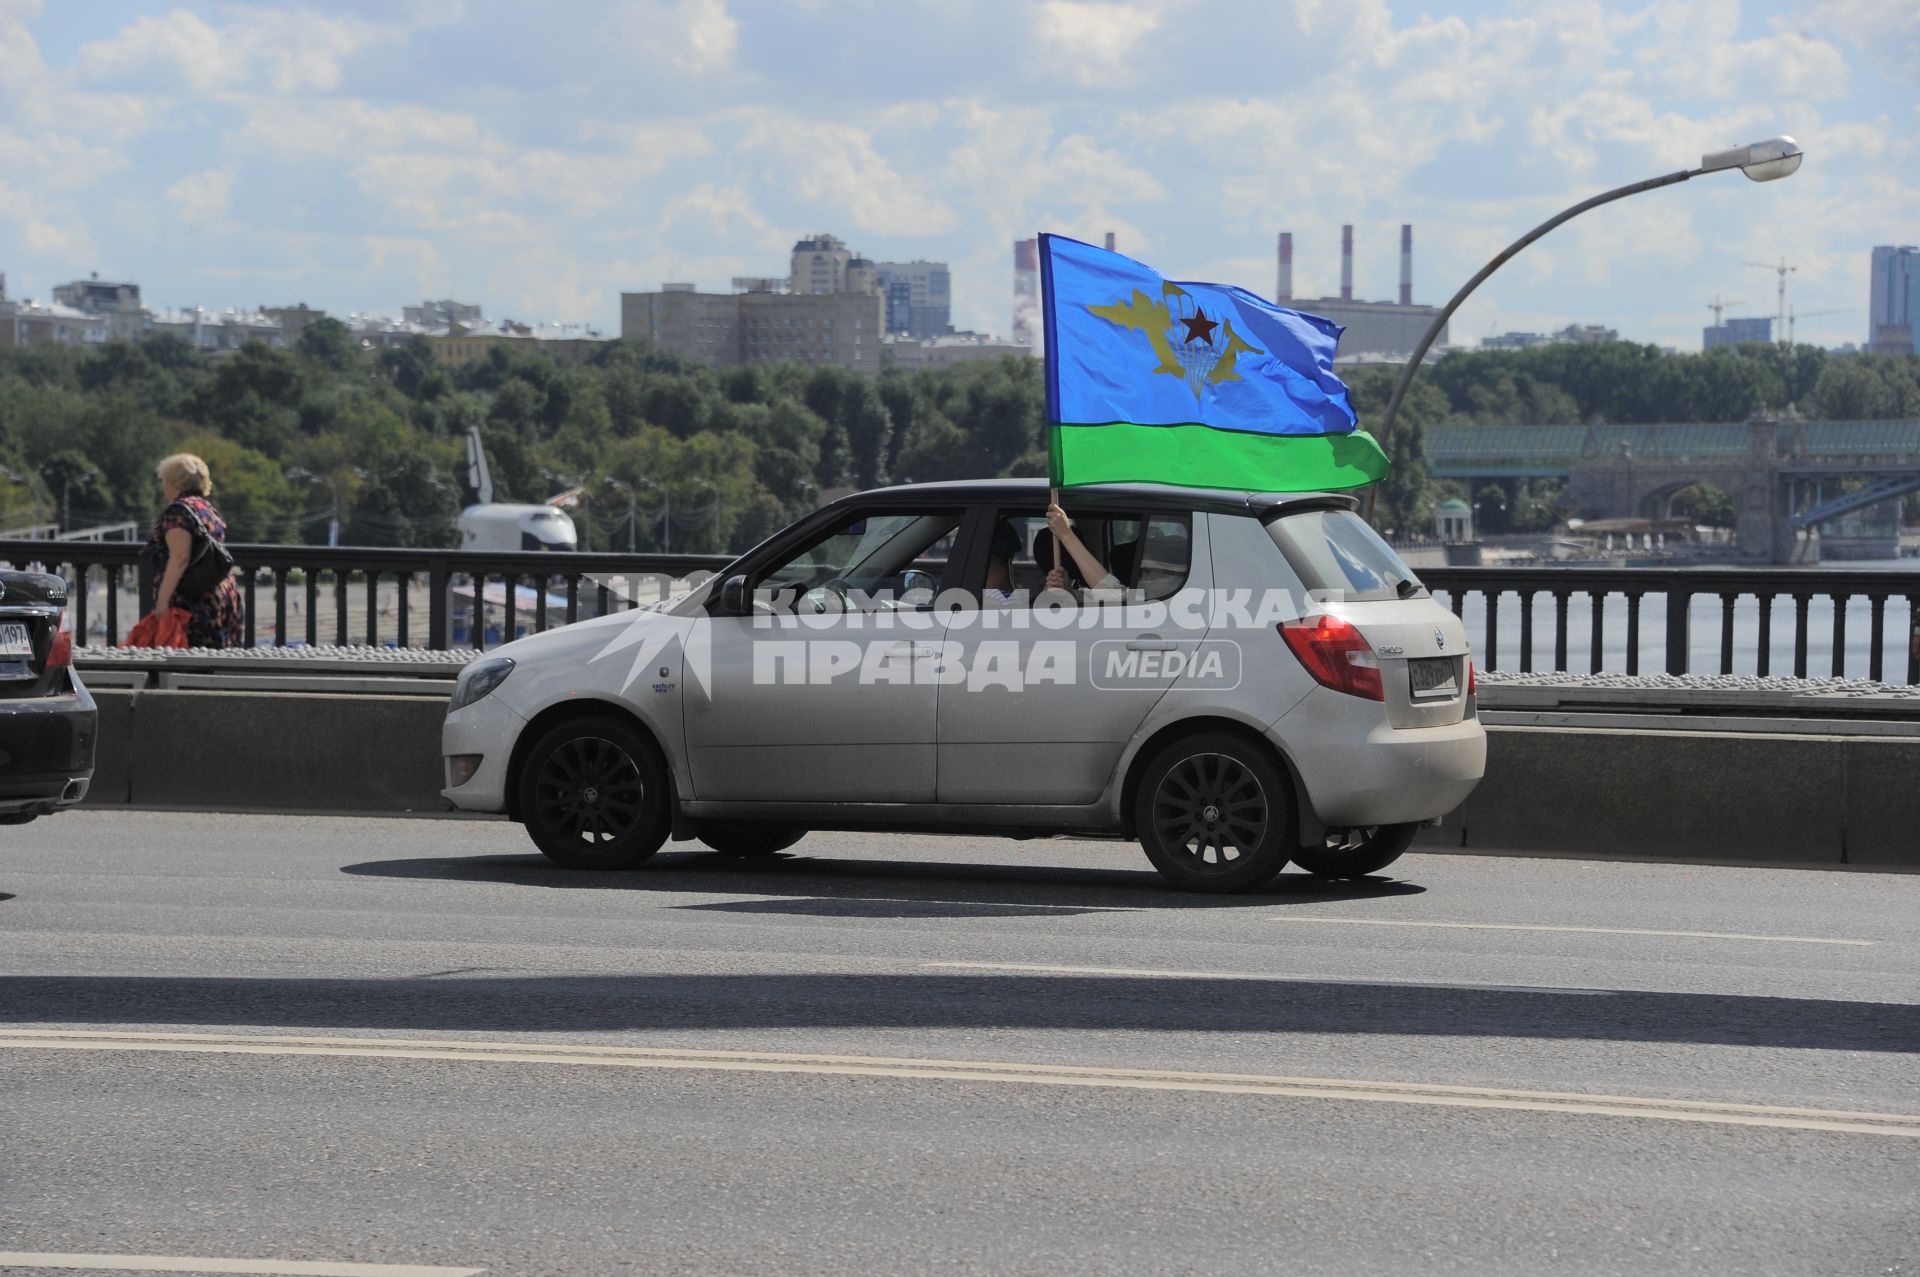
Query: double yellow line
990	1071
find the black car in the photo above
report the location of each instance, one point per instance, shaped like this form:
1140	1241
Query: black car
48	723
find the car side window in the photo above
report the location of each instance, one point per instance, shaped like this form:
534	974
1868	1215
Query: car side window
1151	555
1163	558
871	560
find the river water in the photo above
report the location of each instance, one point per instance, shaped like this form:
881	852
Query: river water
1704	631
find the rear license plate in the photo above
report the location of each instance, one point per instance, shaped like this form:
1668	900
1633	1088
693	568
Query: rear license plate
1433	676
15	644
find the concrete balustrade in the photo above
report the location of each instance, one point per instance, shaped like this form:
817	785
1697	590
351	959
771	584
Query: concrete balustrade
1735	796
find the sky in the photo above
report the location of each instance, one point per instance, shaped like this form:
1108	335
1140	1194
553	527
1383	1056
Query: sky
541	159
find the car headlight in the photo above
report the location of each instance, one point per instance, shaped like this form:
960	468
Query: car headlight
479	679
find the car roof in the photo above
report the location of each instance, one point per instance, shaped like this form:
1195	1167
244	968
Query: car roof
1138	496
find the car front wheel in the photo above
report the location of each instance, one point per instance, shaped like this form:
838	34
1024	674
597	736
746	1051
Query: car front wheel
1355	853
593	794
1212	812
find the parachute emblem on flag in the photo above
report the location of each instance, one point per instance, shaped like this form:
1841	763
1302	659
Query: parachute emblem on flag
1188	344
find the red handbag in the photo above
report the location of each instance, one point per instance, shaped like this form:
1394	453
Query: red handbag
161	629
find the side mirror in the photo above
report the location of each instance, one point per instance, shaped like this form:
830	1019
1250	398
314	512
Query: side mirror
733	596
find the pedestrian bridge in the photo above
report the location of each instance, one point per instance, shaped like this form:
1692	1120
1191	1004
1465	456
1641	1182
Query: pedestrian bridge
1785	474
1552	452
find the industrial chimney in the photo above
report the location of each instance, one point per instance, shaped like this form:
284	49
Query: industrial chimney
1110	241
1406	264
1346	263
1285	294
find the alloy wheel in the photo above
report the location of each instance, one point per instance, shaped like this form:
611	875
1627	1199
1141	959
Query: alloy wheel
1211	812
590	789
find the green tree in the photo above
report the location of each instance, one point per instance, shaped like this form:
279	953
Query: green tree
328	343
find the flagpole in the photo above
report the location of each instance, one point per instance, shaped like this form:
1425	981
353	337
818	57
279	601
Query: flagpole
1055	498
1047	356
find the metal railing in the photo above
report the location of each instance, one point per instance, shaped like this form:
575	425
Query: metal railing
1539	618
1748	607
376	596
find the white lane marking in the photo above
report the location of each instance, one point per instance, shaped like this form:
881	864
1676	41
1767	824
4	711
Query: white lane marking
1598	931
1003	1071
1245	975
196	1264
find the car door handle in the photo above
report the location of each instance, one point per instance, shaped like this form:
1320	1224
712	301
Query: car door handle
1149	643
904	650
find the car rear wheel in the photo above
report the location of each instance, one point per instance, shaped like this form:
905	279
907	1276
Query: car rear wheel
1355	853
1211	813
749	838
593	794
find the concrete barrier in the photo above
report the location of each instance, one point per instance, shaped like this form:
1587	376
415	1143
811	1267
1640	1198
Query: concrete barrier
274	752
1738	796
1751	797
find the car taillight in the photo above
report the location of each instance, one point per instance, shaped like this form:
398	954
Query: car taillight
60	655
1336	654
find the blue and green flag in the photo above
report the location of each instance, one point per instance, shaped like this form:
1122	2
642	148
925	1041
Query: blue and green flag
1202	385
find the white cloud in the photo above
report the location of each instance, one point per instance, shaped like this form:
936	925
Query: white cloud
837	168
696	37
286	51
201	197
1696	53
1887	31
1092	41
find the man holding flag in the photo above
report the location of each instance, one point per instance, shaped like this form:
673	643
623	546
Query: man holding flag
1199	385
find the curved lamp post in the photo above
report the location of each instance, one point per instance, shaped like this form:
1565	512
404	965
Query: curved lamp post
308	476
1760	161
710	486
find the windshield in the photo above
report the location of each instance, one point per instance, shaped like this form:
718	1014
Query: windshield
1335	551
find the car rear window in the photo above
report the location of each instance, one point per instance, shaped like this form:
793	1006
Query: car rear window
1335	551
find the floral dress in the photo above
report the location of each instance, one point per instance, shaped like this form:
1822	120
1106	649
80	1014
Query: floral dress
217	618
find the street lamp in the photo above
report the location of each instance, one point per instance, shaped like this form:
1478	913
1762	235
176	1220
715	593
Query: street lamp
333	524
1760	161
713	488
612	482
33	491
666	513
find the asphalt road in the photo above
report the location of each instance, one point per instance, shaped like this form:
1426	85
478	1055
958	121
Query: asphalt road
340	1042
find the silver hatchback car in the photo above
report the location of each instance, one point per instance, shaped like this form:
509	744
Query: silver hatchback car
1252	679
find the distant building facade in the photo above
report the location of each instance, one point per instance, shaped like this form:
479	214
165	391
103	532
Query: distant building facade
829	311
1893	327
721	329
217	329
1374	328
30	323
446	313
293	320
820	265
1737	332
568	343
919	297
116	304
1026	292
1572	332
953	348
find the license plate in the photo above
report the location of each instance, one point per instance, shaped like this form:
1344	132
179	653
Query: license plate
1433	676
15	643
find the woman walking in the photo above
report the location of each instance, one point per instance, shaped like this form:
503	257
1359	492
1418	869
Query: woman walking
216	616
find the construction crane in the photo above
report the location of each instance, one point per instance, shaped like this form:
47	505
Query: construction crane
1782	270
1810	314
1719	307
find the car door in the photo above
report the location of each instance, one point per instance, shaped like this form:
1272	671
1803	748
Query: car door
1044	713
821	694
